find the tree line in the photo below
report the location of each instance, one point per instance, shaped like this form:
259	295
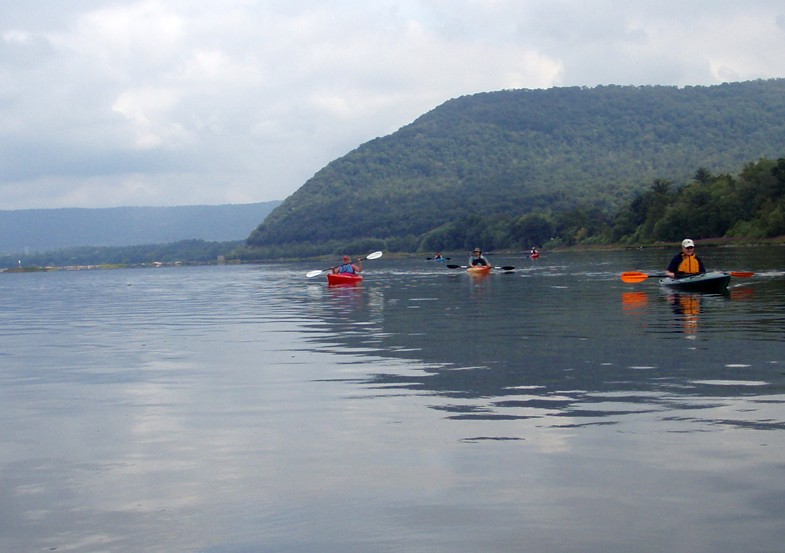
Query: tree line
184	251
749	205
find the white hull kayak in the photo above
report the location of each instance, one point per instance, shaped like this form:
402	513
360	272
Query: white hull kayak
712	282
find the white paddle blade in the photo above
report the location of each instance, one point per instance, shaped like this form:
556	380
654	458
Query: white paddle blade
311	274
374	255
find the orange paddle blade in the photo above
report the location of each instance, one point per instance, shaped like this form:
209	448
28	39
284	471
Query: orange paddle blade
633	277
742	274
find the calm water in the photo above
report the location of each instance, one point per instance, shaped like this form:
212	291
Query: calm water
245	409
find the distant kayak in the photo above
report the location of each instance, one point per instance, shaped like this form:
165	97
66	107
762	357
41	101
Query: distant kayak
711	282
335	279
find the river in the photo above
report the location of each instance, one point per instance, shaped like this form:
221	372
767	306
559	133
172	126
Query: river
238	409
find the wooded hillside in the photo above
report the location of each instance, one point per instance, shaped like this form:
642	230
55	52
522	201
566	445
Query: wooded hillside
517	152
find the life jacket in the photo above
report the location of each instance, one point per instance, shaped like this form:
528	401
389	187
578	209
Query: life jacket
346	268
689	265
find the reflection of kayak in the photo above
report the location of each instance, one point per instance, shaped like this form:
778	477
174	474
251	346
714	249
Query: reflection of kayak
714	281
334	279
479	270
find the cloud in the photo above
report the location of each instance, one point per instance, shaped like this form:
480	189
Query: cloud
154	102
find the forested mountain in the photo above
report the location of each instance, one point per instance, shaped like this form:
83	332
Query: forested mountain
507	154
50	229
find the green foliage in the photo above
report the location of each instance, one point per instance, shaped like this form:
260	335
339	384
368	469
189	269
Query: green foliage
751	205
533	229
470	170
709	206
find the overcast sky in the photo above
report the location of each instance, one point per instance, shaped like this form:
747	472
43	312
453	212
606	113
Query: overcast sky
180	102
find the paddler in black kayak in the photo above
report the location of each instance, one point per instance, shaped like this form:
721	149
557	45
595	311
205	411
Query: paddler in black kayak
477	259
685	263
348	266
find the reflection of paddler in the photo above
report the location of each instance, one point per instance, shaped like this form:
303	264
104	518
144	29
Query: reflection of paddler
634	300
688	306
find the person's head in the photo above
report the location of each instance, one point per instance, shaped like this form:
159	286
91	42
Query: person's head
477	252
688	246
347	259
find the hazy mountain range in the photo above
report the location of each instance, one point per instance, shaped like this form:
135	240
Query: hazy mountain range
32	230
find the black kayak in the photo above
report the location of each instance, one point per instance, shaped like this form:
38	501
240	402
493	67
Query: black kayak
711	282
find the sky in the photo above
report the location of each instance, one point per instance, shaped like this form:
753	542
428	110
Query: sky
202	102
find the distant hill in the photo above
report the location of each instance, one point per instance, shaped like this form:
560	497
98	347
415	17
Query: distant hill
50	229
512	152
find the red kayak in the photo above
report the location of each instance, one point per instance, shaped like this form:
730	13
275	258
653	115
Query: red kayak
337	279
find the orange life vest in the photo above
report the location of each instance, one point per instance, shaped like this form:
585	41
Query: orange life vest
689	265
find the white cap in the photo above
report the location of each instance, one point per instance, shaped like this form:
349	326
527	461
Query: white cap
686	243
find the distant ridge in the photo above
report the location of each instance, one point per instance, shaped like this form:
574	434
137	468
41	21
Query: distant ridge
40	230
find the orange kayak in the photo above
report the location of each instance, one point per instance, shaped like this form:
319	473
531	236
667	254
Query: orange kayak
479	270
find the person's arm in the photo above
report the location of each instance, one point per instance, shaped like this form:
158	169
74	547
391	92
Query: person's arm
673	266
701	266
358	267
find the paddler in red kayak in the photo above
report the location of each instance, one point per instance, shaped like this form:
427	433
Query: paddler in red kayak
348	266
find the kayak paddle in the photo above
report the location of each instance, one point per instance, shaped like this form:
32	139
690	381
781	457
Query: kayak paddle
632	277
635	276
374	255
504	268
436	258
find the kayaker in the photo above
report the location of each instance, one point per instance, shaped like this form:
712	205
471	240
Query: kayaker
438	256
685	263
534	254
348	266
477	259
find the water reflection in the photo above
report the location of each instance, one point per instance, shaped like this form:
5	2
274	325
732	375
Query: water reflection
551	334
